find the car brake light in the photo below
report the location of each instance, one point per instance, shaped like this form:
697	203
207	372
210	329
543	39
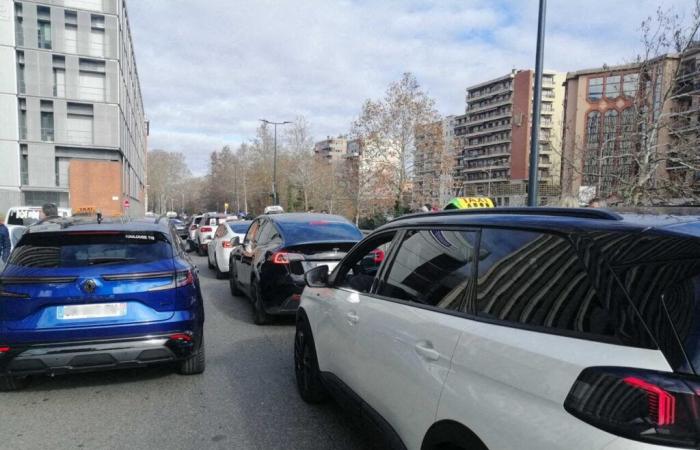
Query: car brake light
184	337
285	258
4	349
205	229
648	406
377	256
226	244
184	278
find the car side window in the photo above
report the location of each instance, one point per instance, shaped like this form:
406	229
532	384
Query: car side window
221	231
252	231
537	279
432	267
267	232
359	272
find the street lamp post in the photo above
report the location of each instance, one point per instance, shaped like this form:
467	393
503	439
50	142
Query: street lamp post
274	160
536	109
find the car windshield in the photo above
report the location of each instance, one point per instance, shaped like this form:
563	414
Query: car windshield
239	228
76	249
318	231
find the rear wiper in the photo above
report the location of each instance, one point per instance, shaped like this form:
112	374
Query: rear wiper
108	260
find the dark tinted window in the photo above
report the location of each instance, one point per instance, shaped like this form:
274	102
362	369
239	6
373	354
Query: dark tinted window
84	249
239	227
538	280
432	267
252	231
359	271
319	230
267	232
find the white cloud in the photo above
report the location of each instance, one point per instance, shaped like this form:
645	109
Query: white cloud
210	69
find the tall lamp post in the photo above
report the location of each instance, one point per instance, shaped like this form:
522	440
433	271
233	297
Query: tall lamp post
274	160
536	109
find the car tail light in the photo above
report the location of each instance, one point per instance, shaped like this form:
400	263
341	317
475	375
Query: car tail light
205	229
193	227
183	337
184	278
377	256
648	406
4	349
226	244
285	258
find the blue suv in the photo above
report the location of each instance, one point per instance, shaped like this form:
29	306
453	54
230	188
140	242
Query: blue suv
79	296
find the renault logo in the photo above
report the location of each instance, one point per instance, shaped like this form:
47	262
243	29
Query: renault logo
89	286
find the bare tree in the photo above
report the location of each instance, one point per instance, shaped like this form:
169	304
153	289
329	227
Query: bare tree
386	128
166	172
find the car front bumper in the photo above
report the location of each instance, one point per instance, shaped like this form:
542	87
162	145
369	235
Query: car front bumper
66	357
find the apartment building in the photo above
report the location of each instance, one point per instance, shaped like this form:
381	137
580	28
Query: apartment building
73	130
493	138
331	149
433	163
612	111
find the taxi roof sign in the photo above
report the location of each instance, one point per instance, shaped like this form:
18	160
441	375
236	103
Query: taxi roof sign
469	202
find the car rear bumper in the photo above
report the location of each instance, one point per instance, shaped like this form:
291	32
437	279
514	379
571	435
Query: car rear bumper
284	297
78	356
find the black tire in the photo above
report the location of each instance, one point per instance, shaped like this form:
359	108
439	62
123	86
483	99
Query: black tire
308	376
219	274
233	280
209	264
195	363
260	317
191	246
10	383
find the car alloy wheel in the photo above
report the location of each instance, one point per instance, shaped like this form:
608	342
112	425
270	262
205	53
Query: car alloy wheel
233	280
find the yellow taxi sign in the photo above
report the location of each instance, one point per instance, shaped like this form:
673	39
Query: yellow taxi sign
470	202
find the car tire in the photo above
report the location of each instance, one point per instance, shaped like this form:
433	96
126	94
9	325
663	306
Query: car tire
190	245
10	383
260	317
195	363
233	281
209	264
306	371
219	274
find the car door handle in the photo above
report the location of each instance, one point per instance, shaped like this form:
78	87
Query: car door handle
427	351
352	317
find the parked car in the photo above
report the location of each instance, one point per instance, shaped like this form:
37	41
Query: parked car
220	247
95	296
180	228
192	230
278	249
205	231
18	218
578	328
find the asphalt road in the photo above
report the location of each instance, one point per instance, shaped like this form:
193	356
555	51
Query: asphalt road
246	398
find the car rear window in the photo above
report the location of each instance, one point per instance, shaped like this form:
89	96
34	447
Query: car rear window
240	228
75	249
319	230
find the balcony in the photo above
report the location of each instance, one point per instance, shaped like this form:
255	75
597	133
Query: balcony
474	108
485	143
485	93
489	130
490	117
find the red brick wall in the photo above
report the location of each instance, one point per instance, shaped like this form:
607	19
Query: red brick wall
93	184
520	138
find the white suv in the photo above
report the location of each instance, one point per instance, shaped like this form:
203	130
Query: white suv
511	329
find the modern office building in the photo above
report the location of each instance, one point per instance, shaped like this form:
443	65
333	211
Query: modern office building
331	149
433	163
493	138
72	126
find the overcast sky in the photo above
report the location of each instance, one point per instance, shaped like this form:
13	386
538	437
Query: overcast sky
210	68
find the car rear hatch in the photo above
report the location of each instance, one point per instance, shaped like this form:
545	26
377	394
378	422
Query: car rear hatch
305	256
56	283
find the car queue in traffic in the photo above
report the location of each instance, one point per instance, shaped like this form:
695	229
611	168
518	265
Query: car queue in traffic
434	328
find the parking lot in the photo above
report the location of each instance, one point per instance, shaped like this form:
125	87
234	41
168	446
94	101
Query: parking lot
246	398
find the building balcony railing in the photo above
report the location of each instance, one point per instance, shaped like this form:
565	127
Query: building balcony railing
474	108
486	155
486	169
484	143
489	130
489	117
47	134
489	93
487	180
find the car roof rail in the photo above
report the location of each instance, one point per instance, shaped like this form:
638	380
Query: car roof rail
582	213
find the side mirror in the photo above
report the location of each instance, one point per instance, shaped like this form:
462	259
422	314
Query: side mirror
317	277
236	241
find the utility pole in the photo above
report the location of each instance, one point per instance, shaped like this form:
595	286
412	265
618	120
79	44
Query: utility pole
536	110
274	160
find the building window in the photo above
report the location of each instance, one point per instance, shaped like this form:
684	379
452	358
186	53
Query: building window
79	123
43	21
23	165
22	107
92	80
19	25
97	35
630	84
592	147
59	76
21	87
612	86
62	166
47	132
595	88
71	32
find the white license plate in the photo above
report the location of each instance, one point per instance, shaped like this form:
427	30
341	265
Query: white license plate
96	311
